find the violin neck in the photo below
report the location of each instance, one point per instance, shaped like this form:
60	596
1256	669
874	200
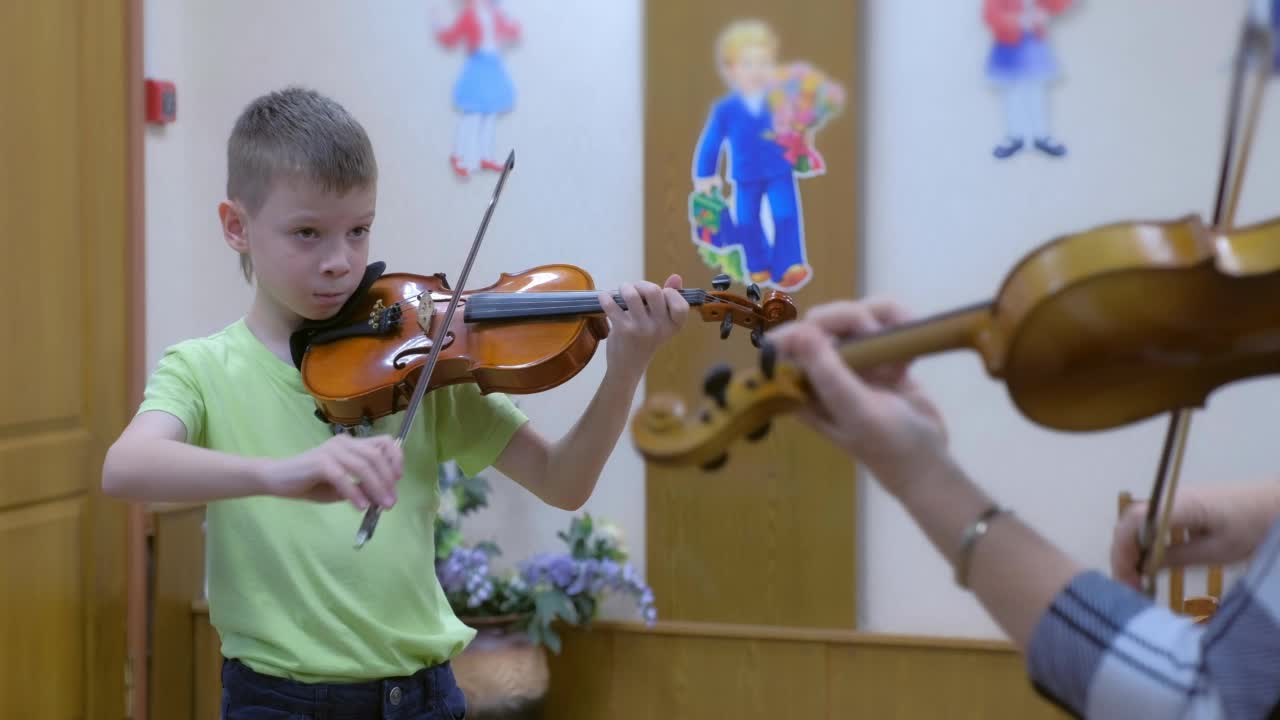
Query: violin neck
961	328
532	305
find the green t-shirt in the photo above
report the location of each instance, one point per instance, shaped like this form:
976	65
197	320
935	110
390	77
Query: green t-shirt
289	594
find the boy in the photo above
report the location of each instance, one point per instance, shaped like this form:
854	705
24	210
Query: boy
747	53
308	624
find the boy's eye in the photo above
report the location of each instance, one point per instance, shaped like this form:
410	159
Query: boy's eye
306	233
361	231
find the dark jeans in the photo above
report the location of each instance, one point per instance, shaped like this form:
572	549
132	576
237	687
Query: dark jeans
429	694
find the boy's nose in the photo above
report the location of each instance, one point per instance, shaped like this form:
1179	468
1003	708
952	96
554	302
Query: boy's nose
336	265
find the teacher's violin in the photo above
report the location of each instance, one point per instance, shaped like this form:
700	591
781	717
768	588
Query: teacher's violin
528	332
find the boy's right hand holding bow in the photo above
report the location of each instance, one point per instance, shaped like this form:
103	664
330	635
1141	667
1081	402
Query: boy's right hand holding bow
362	470
152	462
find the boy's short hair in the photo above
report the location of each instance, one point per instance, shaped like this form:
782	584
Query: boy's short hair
742	34
295	132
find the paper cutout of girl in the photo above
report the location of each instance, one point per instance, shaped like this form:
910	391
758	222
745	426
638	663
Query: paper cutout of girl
766	123
1022	65
1275	33
484	89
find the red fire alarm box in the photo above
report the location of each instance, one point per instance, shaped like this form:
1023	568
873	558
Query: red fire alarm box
162	102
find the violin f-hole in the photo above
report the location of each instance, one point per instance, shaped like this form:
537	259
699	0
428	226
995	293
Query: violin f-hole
402	358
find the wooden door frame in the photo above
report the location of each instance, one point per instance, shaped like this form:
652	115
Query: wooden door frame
136	349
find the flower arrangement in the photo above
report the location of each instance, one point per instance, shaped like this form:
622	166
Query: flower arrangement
546	587
802	100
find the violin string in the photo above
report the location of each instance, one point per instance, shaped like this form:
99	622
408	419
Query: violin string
489	306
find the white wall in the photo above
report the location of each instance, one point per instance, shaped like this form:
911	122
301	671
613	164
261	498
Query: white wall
574	195
1140	108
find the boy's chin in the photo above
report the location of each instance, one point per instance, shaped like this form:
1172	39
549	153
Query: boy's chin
318	312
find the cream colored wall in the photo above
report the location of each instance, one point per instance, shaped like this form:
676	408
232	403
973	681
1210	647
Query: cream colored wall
1140	108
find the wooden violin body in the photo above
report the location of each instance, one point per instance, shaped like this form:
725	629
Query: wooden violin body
526	333
1091	331
368	377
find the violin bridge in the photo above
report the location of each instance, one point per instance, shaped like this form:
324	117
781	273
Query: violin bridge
426	310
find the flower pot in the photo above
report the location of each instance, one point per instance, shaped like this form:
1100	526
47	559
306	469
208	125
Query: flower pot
503	674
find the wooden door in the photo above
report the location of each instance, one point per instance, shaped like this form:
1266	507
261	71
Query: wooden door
64	210
770	538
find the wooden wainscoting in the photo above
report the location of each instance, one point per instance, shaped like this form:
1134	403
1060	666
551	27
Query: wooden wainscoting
624	671
699	670
206	664
176	554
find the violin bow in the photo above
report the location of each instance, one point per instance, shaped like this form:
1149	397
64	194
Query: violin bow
374	512
1254	51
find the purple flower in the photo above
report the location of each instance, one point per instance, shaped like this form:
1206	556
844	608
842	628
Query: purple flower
466	573
558	570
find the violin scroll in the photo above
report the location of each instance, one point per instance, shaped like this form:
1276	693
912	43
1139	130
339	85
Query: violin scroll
728	309
742	405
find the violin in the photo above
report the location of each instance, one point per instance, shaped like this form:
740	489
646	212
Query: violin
528	332
1095	330
1092	331
390	343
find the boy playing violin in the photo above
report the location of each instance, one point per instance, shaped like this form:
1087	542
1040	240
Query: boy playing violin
308	624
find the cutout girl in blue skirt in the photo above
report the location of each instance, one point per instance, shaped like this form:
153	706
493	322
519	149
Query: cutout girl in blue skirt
484	88
1022	65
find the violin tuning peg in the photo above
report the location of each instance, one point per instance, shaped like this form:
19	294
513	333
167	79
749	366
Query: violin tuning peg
716	384
759	433
716	464
768	359
753	292
726	326
757	337
721	281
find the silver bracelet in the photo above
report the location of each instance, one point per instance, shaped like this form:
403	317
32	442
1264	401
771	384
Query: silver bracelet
971	536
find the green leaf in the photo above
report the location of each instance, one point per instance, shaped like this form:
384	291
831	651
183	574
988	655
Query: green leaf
471	494
551	604
553	640
447	538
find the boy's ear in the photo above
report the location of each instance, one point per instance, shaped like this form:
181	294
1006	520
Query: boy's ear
233	230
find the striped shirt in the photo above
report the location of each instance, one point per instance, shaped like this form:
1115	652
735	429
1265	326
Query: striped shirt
1103	650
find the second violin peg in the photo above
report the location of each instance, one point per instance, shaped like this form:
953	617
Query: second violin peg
716	383
768	359
753	292
716	463
726	325
721	281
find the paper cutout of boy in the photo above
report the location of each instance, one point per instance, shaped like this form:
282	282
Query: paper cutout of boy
1022	65
747	56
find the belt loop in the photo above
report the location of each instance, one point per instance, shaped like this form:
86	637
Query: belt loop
321	702
429	683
